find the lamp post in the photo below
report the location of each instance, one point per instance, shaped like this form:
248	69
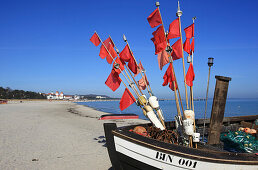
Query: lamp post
210	63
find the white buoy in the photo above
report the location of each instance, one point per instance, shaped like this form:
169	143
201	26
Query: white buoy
196	137
188	126
153	100
189	114
153	118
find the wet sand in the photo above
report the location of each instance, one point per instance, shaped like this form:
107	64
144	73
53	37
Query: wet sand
53	135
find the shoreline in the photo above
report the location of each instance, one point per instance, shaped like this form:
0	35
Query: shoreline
54	135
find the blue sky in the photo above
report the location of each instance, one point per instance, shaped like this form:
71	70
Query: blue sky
44	44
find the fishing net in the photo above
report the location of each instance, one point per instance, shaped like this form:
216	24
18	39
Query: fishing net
239	141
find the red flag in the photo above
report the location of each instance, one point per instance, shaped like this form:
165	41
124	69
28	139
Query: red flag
126	55
154	19
189	31
163	59
113	81
132	65
142	84
159	40
187	46
190	75
113	53
168	76
95	39
126	100
174	31
177	50
139	69
110	47
121	65
192	46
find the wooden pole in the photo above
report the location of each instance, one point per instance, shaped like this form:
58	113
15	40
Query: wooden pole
134	89
137	66
171	61
179	13
127	67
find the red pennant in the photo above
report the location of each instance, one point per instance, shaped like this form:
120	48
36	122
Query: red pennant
177	50
110	47
95	39
126	55
159	40
192	46
113	81
189	31
132	65
187	46
190	75
168	76
154	19
121	65
112	52
139	69
174	30
126	100
163	59
142	84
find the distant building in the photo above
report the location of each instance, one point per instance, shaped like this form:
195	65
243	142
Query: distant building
58	96
100	97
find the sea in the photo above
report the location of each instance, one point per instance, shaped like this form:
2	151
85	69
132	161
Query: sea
234	107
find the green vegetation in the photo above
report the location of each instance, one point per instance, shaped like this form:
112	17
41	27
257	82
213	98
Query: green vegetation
8	93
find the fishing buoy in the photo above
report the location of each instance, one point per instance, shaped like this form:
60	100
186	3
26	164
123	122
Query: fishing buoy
153	100
189	114
153	118
142	100
196	137
188	126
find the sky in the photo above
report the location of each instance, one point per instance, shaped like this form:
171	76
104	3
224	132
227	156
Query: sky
44	44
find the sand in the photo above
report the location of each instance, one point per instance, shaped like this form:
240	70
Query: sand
53	135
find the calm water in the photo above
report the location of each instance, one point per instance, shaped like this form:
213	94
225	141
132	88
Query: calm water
234	107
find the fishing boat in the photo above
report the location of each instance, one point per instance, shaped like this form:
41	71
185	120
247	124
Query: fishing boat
176	144
128	150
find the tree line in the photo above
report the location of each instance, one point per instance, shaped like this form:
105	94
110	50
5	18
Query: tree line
8	93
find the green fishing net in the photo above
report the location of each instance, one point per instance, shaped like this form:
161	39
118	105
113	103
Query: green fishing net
239	141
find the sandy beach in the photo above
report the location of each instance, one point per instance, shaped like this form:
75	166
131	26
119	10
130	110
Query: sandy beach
53	135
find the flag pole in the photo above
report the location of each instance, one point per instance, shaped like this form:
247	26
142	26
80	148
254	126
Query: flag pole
145	108
126	66
130	83
173	72
179	14
137	65
191	88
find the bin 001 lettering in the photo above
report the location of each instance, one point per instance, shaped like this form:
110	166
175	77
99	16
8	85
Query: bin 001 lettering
187	163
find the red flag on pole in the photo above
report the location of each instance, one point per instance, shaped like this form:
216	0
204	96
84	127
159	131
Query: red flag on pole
189	31
126	100
139	69
132	65
192	46
110	47
113	81
154	19
169	78
163	59
142	84
190	75
177	50
174	30
187	46
126	55
95	39
121	65
159	40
